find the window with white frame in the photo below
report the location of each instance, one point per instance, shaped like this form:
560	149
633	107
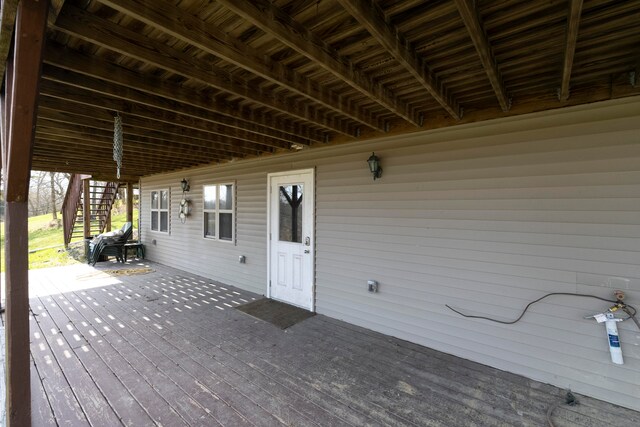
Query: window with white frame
160	210
219	211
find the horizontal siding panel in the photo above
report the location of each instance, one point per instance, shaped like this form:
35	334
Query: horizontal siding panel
461	238
594	230
486	217
620	262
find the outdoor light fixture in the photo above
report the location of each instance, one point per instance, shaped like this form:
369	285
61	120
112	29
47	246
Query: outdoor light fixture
374	166
185	207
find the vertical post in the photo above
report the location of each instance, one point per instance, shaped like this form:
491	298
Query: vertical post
130	203
107	226
86	208
21	95
17	311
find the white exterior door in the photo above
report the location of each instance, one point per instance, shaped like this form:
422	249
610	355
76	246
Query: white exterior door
291	238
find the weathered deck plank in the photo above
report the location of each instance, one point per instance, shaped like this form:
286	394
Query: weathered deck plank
167	348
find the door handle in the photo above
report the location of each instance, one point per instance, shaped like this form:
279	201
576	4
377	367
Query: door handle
307	241
306	251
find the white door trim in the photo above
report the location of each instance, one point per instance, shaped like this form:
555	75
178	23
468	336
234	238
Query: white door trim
311	173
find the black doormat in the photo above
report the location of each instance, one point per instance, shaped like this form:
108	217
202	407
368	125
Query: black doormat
275	312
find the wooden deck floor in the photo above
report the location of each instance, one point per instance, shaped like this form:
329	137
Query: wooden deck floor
167	348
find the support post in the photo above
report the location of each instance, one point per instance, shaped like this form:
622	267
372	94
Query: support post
86	208
130	203
107	226
19	110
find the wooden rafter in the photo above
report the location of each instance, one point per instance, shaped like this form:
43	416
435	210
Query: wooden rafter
275	21
129	43
215	111
175	136
479	38
69	94
186	112
183	26
370	16
8	9
571	38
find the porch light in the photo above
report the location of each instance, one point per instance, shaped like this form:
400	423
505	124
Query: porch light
374	166
185	185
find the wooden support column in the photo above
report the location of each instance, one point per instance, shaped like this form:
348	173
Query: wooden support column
130	203
21	94
107	226
86	208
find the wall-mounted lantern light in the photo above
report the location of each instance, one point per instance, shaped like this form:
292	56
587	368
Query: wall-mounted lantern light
184	184
374	166
185	208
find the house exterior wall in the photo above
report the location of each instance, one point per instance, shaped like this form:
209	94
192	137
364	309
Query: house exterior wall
484	217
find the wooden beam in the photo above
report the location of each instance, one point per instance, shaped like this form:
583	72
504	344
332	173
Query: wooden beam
370	16
171	113
170	19
571	38
162	136
156	92
144	117
129	187
86	211
8	9
471	20
273	20
104	33
24	76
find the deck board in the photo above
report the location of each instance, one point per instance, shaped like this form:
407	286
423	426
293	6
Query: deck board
167	348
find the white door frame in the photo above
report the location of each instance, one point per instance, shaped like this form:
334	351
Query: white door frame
270	177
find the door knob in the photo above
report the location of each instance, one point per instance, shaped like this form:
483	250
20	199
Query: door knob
307	241
306	251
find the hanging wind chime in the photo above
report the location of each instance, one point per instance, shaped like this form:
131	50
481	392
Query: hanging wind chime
117	142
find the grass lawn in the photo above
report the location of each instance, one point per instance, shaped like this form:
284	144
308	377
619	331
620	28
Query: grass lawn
46	242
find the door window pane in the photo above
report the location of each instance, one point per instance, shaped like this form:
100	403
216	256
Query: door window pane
290	213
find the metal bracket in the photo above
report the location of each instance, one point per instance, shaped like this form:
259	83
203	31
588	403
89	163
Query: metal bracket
421	119
357	132
633	79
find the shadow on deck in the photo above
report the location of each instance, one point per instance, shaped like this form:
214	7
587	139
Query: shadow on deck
166	347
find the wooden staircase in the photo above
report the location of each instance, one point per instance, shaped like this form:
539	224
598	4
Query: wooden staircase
101	198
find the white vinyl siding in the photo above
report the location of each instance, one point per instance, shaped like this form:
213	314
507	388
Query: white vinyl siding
484	217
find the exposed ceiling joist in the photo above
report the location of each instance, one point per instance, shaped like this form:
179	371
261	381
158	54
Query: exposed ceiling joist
109	35
8	10
476	31
272	20
369	15
156	139
183	26
216	111
571	39
69	95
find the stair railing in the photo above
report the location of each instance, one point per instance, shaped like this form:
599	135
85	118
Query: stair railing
69	209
